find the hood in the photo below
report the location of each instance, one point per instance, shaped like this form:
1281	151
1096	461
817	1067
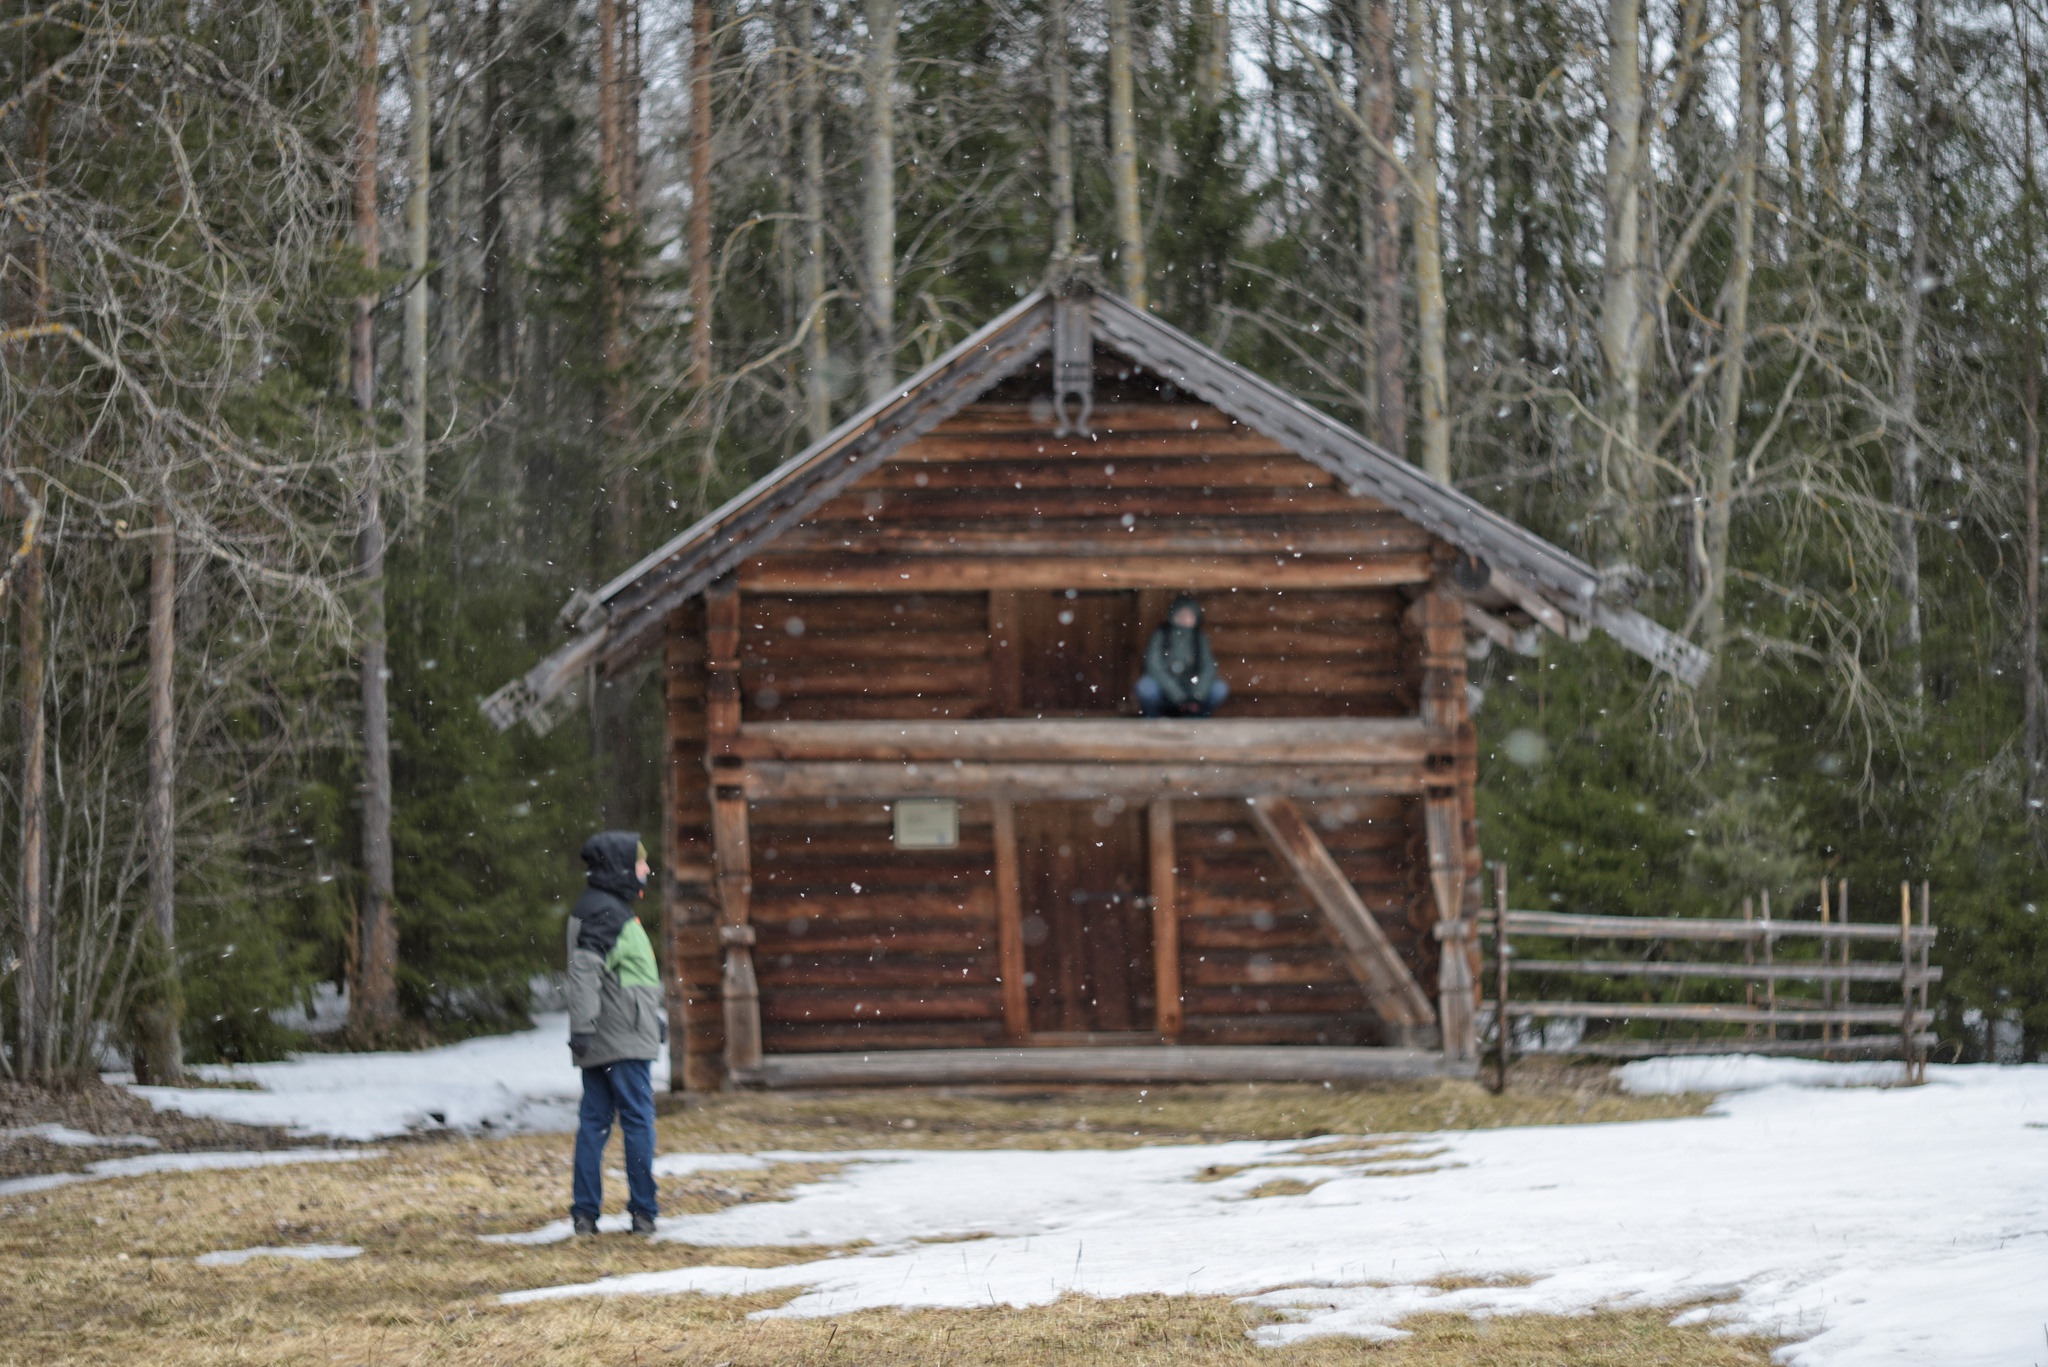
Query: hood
1186	600
612	858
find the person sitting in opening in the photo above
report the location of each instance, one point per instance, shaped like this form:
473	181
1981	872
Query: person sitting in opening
1180	678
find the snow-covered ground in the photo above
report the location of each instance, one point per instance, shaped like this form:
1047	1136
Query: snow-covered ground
1874	1226
500	1084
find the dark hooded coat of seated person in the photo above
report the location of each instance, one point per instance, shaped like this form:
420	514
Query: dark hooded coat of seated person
1180	678
617	1025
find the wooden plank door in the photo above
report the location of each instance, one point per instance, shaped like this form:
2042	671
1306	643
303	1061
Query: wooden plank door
1087	929
1075	654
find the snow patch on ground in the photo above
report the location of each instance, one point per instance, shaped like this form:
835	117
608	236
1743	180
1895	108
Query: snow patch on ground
65	1137
500	1084
235	1257
220	1161
1872	1225
1748	1072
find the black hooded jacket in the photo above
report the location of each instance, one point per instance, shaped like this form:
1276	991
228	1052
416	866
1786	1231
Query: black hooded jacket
613	886
616	1010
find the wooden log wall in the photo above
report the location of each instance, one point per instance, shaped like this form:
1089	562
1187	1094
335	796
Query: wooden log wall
1258	963
689	906
912	595
862	945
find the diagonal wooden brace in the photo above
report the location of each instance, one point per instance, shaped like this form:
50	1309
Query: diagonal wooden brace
1395	996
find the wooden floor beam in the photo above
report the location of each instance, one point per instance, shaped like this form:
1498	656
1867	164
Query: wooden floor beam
1220	740
1395	996
772	780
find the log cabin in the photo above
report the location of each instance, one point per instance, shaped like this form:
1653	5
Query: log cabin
915	830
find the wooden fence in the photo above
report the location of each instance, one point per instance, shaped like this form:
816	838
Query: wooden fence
1856	1003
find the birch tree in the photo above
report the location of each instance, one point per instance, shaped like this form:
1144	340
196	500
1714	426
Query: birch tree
878	217
1123	155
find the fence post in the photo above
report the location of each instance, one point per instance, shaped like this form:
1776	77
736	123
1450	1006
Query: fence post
1827	984
1501	1026
1845	995
1748	961
1926	947
1906	977
1770	959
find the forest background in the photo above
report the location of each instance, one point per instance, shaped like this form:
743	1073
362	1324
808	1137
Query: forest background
343	340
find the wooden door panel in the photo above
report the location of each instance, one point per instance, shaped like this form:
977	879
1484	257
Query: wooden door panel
1087	932
1074	652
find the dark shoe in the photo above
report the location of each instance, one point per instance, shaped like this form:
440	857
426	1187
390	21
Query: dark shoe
585	1224
642	1224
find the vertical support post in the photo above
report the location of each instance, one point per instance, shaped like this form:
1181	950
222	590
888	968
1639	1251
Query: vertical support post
1009	920
674	909
731	859
1749	961
1926	950
1845	995
1456	1012
1503	1028
1906	977
1827	984
1165	918
1770	957
1437	620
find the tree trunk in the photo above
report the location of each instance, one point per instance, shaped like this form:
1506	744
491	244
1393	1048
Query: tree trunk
615	743
1210	20
878	289
1383	197
419	172
1060	140
373	997
1826	103
1465	152
491	209
1906	401
1123	155
1720	480
159	1051
616	214
700	208
1790	93
817	358
36	985
1426	227
1621	313
2030	397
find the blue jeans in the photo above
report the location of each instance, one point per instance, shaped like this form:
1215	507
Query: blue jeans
1152	698
627	1090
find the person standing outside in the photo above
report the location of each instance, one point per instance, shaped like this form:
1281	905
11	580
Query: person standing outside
617	1026
1180	678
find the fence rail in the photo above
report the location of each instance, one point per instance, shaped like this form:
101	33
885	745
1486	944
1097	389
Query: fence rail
1903	1023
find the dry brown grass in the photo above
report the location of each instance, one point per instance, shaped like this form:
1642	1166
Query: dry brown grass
1114	1117
104	1273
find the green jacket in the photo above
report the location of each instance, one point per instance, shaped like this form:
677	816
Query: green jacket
615	997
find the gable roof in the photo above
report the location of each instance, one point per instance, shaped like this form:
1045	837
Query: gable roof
623	619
